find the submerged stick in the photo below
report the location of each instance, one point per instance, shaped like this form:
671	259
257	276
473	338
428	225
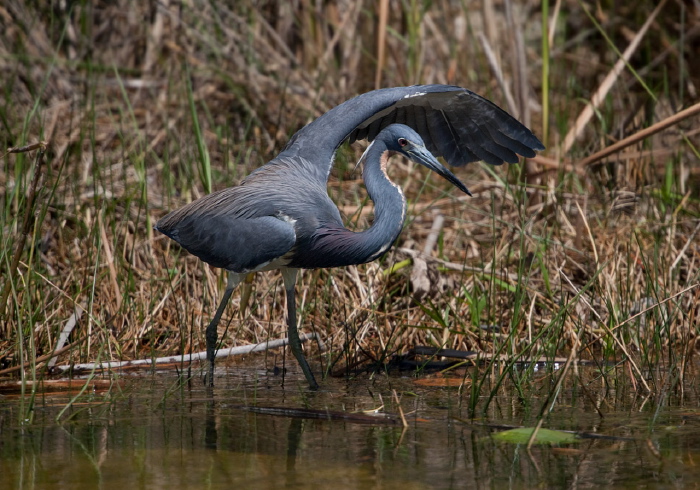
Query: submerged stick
308	413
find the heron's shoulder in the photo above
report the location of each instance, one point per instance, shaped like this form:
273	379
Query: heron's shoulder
289	170
281	166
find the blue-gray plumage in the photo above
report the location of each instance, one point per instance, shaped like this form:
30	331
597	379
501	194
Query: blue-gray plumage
280	216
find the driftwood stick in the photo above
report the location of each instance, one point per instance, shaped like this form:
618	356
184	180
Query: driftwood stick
65	333
45	357
197	356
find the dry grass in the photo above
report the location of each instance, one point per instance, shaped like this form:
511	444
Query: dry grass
146	107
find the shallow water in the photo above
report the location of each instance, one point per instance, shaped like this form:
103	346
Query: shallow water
158	431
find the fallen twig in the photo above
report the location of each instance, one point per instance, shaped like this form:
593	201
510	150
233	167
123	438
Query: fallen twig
197	356
640	135
65	333
608	83
44	357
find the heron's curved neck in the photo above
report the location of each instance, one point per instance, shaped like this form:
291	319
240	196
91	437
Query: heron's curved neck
389	202
333	245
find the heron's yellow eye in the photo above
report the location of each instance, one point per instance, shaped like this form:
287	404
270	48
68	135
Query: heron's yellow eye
403	141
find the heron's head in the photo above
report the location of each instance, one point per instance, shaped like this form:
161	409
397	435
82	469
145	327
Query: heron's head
403	139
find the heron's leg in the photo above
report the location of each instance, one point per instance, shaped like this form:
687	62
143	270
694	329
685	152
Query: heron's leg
212	334
290	277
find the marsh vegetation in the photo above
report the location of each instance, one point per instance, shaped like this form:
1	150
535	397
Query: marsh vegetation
578	254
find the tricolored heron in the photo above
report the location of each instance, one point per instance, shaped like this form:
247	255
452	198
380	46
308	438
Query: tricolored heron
280	216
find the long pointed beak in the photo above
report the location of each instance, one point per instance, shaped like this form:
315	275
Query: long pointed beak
420	154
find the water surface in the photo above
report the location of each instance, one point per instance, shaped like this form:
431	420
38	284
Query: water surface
162	430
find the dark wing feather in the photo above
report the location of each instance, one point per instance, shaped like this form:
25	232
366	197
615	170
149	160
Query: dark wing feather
445	136
510	141
458	125
454	123
421	126
409	117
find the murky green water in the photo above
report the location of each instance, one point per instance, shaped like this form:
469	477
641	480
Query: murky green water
153	431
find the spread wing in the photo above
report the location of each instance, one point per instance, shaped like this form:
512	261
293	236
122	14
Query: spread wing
454	123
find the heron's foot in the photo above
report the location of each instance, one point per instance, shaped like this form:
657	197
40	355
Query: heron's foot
304	365
313	385
209	374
